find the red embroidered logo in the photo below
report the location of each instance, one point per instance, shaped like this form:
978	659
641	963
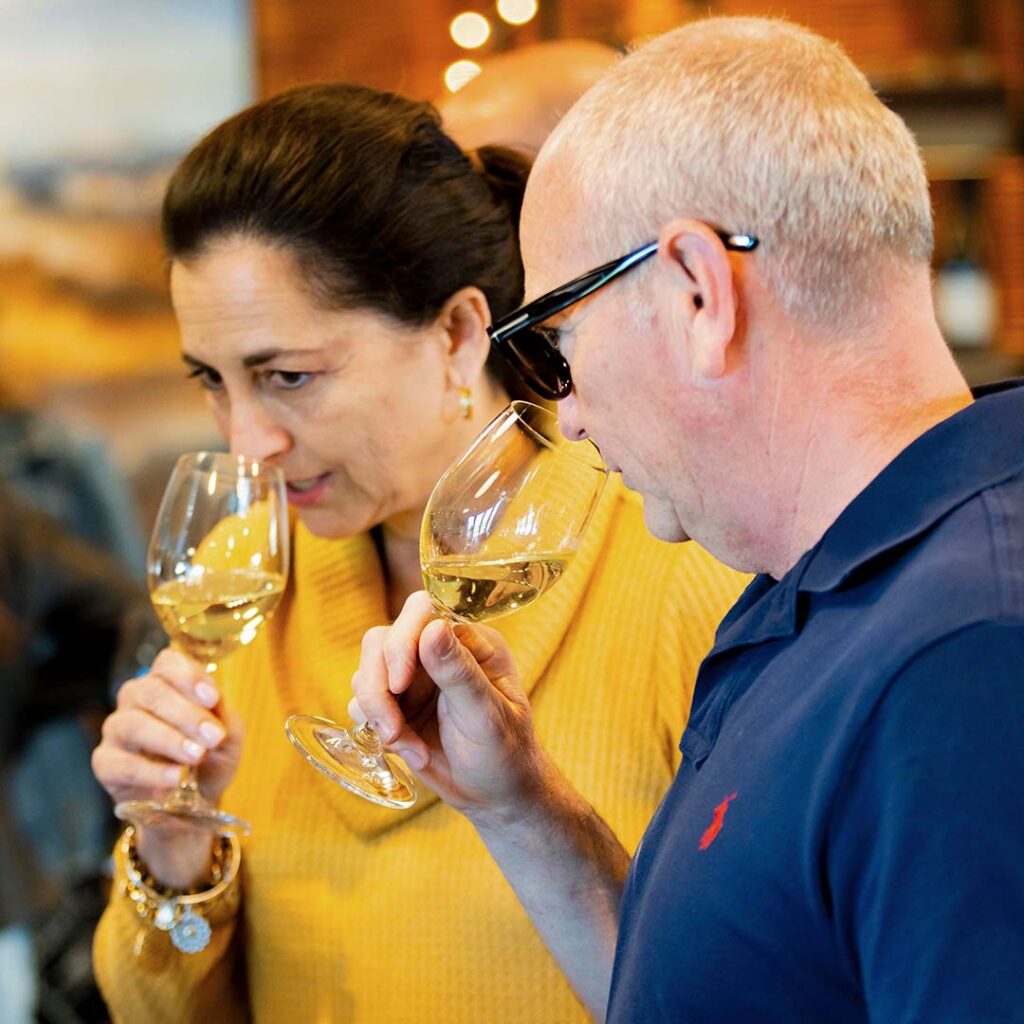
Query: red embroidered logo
711	832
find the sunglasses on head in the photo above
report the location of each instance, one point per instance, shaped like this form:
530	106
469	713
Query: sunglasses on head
529	346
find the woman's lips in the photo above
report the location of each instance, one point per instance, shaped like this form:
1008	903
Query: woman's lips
307	492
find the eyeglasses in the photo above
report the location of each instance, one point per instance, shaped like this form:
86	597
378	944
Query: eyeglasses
530	347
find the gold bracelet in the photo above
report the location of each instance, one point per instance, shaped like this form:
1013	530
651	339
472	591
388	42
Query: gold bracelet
179	912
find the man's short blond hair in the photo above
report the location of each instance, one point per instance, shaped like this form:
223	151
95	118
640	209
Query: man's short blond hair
760	126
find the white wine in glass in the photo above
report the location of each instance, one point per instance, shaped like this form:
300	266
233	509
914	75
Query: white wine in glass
212	613
471	591
217	566
501	527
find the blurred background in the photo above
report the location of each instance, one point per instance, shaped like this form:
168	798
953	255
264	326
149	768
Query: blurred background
102	96
100	99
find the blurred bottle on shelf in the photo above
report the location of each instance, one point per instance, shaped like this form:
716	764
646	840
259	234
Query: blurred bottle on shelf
965	301
1004	209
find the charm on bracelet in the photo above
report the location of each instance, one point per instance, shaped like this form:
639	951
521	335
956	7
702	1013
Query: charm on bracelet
192	933
180	914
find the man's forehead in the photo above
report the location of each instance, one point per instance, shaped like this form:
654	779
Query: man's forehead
551	229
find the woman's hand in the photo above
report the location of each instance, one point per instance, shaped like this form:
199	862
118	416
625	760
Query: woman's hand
450	703
169	718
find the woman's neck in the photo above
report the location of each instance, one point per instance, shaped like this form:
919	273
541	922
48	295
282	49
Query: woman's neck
400	547
400	551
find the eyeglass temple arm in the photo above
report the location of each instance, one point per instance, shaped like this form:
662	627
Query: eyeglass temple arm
568	294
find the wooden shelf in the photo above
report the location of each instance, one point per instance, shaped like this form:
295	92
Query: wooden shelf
958	110
982	365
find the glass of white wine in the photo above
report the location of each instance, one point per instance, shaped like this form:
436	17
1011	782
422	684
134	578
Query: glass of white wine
217	566
500	528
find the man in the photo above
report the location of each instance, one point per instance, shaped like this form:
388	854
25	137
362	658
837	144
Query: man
519	96
844	840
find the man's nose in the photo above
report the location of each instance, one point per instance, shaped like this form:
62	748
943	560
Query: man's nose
569	421
255	434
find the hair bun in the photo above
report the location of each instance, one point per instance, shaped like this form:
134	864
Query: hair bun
505	171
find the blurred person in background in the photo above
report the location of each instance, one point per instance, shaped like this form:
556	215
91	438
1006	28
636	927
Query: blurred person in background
64	501
71	479
336	259
519	96
61	606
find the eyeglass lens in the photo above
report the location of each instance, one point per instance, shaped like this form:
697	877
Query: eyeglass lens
541	363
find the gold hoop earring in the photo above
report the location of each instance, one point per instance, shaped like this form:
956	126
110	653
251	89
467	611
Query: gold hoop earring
466	403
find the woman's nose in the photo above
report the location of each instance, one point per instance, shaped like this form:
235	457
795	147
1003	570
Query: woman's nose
255	434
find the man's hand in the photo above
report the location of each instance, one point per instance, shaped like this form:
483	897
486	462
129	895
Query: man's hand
450	703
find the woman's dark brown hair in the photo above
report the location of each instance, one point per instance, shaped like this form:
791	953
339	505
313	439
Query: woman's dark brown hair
379	208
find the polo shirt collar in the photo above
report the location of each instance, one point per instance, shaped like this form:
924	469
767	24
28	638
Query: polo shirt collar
766	610
974	449
954	460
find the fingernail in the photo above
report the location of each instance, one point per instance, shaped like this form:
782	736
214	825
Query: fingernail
212	734
193	749
207	694
446	643
381	729
413	758
172	776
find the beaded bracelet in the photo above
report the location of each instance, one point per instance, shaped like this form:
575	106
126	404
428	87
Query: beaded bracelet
182	914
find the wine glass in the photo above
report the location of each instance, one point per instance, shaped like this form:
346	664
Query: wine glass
217	566
500	528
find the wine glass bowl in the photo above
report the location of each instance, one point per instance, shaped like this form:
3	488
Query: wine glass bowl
504	522
214	566
217	566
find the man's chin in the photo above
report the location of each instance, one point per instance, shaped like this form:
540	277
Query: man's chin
662	523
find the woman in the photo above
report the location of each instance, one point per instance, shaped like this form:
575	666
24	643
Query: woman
335	261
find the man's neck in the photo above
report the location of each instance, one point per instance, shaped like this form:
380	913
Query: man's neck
847	419
835	471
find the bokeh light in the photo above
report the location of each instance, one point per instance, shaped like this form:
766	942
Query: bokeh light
458	74
470	30
517	12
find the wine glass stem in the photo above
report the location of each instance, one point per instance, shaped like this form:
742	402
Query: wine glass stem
372	750
366	736
187	794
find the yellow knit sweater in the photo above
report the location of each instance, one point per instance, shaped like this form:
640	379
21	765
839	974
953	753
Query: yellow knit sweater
351	912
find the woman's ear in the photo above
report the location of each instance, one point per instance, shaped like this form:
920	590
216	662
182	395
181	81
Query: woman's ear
700	274
464	318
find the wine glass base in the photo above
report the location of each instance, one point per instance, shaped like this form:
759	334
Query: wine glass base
333	751
193	816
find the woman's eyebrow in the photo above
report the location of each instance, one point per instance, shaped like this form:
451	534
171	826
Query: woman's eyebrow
268	355
255	358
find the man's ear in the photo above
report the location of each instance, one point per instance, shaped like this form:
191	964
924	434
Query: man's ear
699	268
464	318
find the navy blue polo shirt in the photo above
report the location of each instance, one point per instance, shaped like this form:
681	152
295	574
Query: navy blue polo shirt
844	841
